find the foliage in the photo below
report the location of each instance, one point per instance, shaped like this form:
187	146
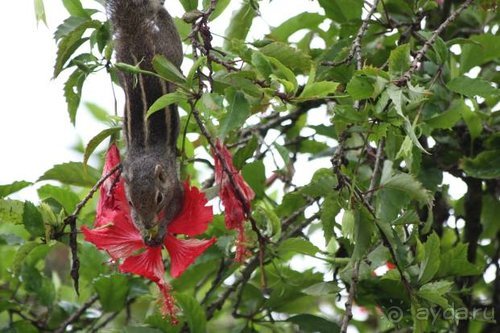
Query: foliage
410	93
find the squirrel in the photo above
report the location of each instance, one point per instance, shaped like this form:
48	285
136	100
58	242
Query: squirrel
141	30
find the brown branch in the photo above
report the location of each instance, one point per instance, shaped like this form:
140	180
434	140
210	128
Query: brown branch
71	221
346	318
356	45
403	80
75	316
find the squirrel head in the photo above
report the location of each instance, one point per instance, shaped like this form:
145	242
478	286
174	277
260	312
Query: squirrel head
155	196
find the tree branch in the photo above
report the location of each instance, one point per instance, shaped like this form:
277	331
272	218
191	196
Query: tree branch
356	45
403	80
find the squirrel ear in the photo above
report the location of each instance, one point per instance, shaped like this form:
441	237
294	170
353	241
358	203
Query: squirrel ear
160	173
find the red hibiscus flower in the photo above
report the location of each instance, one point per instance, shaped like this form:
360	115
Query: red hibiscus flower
115	233
234	207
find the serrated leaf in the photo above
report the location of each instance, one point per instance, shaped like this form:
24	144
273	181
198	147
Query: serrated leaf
68	26
21	254
72	173
237	112
112	291
73	92
283	72
66	198
70	43
399	60
472	87
297	245
410	186
96	141
193	313
329	211
317	90
448	118
434	291
360	87
168	70
32	220
8	189
478	50
485	165
164	101
431	261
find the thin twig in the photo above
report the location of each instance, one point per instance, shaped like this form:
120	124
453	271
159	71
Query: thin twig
71	221
356	45
346	318
75	316
403	80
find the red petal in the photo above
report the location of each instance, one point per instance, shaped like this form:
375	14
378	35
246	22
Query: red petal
184	252
116	234
194	216
390	265
148	264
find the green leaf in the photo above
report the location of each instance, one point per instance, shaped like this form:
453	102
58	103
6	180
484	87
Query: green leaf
407	184
431	261
283	72
472	87
240	24
70	43
75	8
480	50
11	211
294	24
297	245
22	252
40	12
317	90
322	289
189	5
308	324
292	58
164	101
96	141
112	291
237	112
255	175
72	173
399	60
245	153
193	313
8	189
342	11
448	118
454	263
66	198
68	26
219	7
329	211
472	120
73	92
485	165
262	64
168	70
434	291
32	220
360	87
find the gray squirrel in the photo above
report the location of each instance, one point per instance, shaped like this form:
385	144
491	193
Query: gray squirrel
143	29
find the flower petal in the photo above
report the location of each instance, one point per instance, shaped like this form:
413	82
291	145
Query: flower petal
195	216
148	264
183	252
116	234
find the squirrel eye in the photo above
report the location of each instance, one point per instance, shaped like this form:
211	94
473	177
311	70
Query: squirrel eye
159	198
130	204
